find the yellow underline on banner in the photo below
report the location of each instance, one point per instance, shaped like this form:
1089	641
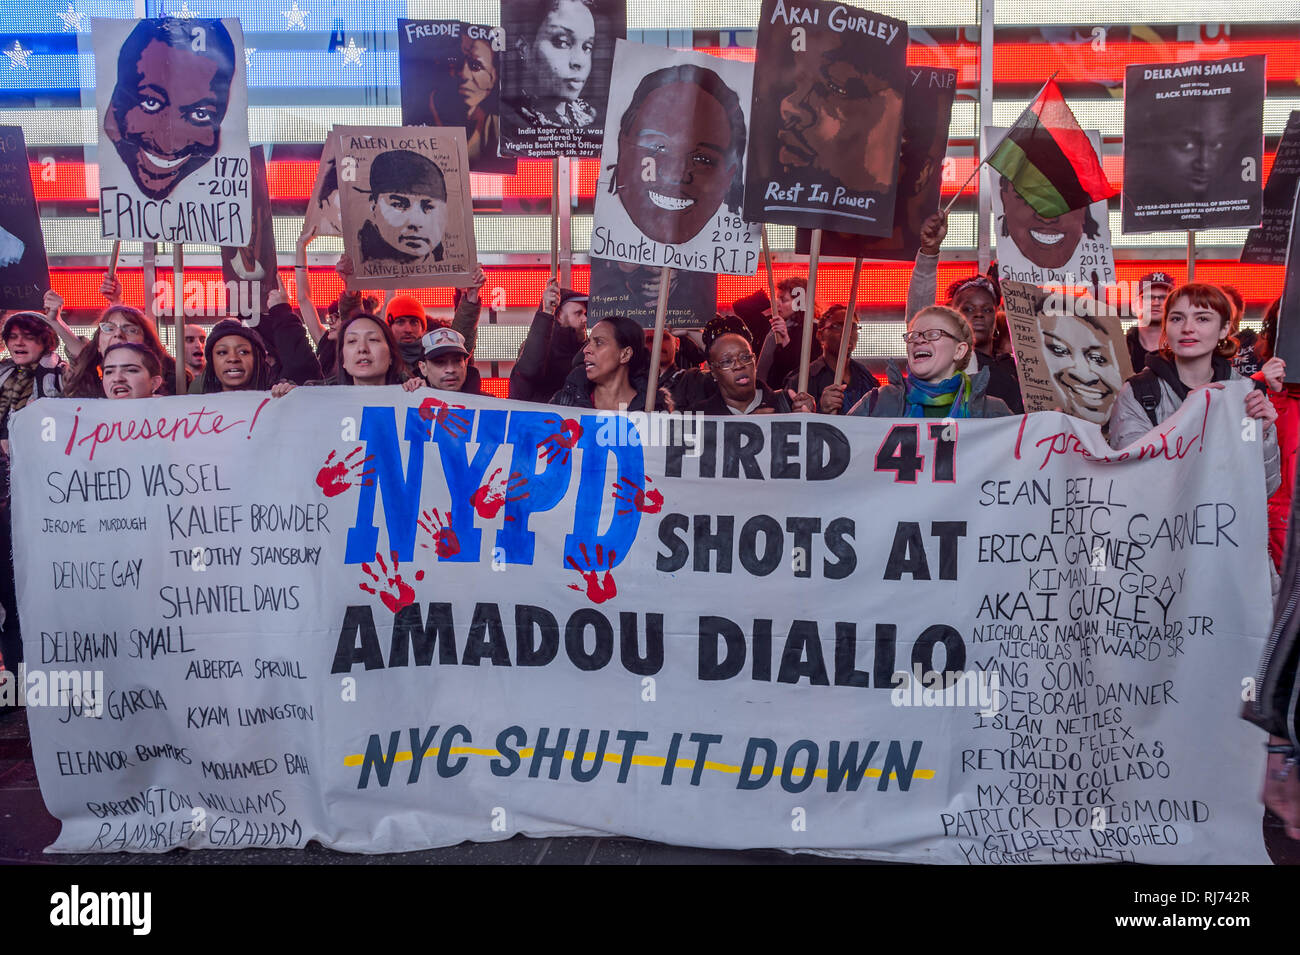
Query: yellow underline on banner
404	756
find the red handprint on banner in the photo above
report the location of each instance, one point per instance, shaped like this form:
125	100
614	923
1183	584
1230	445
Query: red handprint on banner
442	414
598	590
489	499
402	595
445	542
559	444
635	496
335	477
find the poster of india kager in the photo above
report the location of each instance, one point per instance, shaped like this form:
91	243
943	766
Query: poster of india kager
24	272
927	110
1193	143
672	173
407	213
451	76
172	112
829	85
1067	250
555	74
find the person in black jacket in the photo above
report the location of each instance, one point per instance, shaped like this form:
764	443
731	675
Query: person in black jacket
835	398
731	359
554	339
614	372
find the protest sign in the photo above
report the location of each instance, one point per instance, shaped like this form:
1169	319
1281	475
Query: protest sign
254	269
408	217
24	271
1266	244
1193	143
827	117
324	215
556	70
466	623
1066	250
450	73
672	169
927	111
171	100
1070	351
633	290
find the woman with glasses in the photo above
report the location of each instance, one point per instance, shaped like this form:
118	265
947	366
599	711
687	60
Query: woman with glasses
939	348
731	360
118	323
615	370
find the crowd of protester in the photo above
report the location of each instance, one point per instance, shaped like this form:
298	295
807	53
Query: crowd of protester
958	363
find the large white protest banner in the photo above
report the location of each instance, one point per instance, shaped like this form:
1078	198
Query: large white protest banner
358	616
171	99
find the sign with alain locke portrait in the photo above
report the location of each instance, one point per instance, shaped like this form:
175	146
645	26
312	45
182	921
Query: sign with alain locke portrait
24	271
829	86
408	219
1193	144
1066	250
172	112
556	68
672	171
927	112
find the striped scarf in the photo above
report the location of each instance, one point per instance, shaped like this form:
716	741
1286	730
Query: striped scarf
951	393
17	391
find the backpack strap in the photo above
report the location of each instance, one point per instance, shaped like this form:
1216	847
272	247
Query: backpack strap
1146	388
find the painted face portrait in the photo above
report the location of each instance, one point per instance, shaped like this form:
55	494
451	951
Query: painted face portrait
557	59
169	101
411	224
675	168
476	71
408	208
839	118
1048	243
1082	364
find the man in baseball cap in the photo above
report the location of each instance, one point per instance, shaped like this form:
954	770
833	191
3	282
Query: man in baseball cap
1144	337
445	364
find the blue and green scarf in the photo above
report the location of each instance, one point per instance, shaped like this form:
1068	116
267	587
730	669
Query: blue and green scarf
949	398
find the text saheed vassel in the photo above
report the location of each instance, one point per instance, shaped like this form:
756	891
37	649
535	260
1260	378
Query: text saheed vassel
75	907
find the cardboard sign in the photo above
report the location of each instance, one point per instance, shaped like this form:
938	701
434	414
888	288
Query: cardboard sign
927	112
1070	352
829	84
1193	144
618	288
324	214
24	271
556	75
256	263
672	171
1266	244
172	106
451	76
1067	250
408	218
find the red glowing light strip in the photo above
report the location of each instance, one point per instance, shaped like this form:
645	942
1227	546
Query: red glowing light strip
885	288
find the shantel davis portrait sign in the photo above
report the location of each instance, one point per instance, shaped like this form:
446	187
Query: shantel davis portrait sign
829	86
172	112
672	168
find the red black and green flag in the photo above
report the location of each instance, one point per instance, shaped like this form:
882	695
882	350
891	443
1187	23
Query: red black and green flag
1048	158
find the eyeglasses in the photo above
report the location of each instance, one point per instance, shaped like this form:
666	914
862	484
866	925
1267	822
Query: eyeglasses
929	335
741	361
108	328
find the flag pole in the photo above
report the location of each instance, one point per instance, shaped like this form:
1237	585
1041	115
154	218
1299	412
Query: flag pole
767	261
1191	255
809	310
962	187
661	309
846	333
